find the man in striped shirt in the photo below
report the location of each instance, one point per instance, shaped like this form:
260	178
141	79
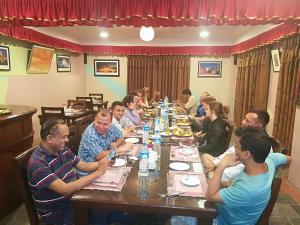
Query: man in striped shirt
51	176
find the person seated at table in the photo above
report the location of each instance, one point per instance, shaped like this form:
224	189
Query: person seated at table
201	123
243	202
144	96
99	137
156	98
138	103
189	102
51	177
254	118
124	124
200	112
215	139
130	111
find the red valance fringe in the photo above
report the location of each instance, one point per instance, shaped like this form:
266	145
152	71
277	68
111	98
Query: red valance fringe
263	39
146	12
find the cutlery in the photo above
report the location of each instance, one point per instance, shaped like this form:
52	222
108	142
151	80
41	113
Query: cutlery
169	195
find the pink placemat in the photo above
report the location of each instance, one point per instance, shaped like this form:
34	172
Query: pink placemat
136	149
176	186
111	180
175	155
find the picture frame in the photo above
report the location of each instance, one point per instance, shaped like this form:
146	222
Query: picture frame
210	69
106	68
40	59
4	58
63	63
275	60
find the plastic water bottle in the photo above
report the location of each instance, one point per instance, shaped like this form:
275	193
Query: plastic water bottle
144	162
146	131
143	187
166	101
157	146
157	126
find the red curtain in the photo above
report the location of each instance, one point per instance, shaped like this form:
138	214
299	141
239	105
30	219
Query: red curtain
146	12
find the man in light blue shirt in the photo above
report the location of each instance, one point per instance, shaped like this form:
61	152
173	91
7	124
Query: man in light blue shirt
99	137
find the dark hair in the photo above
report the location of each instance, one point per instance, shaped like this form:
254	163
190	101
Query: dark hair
50	127
187	92
127	99
116	103
217	107
262	116
256	141
104	113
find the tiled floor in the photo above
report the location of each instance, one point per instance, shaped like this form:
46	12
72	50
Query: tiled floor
285	212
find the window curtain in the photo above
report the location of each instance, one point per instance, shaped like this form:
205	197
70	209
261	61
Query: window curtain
253	73
285	106
167	74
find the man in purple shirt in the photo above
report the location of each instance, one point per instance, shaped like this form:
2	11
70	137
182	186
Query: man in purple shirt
51	176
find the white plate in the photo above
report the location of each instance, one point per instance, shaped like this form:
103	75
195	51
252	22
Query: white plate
132	140
165	134
119	162
139	131
186	151
190	181
179	166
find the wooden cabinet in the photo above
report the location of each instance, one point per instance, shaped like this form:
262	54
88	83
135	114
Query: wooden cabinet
16	136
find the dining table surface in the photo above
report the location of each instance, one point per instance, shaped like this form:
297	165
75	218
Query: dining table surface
138	199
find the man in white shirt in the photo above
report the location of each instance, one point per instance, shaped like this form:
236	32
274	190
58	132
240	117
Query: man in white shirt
119	120
191	102
254	118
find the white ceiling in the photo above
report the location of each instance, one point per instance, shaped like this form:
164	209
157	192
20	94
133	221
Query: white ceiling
220	35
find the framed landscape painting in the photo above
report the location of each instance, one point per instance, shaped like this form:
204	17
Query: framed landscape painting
63	63
106	68
4	58
209	69
40	59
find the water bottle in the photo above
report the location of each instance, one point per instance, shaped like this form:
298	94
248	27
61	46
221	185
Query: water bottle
143	187
146	131
157	126
157	146
144	162
183	220
166	101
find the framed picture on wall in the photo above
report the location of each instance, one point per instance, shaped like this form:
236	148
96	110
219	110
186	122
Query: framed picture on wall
209	69
63	63
4	58
275	60
106	68
40	59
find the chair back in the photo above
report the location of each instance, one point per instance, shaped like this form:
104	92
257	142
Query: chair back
77	104
264	218
52	112
82	123
74	139
229	128
96	97
21	167
88	100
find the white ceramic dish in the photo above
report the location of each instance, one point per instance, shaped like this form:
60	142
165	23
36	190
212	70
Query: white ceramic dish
165	134
139	131
190	180
186	151
132	140
180	166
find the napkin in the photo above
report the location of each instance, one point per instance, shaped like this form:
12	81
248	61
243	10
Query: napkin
175	155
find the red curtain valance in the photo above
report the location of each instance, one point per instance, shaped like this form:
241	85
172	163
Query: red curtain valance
146	12
145	50
267	37
25	34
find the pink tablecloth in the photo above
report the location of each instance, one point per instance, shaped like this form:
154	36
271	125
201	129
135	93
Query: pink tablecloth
113	180
175	154
176	186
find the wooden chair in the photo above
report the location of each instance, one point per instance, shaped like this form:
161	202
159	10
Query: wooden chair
97	97
89	102
52	112
21	169
82	123
74	139
98	101
229	128
77	104
264	218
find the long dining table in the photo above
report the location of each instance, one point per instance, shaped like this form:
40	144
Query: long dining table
131	200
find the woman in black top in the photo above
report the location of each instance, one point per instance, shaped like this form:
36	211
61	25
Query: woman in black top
216	135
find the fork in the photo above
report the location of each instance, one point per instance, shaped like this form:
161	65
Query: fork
169	195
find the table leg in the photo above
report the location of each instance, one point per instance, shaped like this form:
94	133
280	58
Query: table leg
81	216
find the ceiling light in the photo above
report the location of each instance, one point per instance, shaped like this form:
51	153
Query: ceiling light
103	34
146	33
204	34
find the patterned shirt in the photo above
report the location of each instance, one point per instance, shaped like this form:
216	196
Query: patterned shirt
44	168
92	143
124	122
